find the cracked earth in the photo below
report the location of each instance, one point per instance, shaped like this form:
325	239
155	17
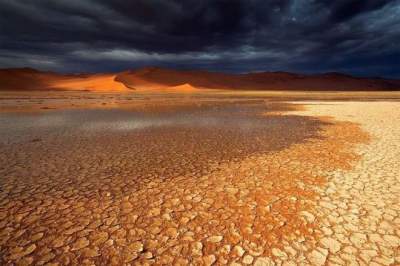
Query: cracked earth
359	209
237	183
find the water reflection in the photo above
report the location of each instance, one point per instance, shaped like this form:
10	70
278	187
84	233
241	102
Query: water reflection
118	120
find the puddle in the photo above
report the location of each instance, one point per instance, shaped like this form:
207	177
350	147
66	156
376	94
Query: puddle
136	144
236	117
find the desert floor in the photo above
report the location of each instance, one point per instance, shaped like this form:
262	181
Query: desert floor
212	178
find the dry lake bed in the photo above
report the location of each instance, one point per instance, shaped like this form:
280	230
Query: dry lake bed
199	179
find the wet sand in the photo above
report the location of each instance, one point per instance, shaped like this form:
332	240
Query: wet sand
197	180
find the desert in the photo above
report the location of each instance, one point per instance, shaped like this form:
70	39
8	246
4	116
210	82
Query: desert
213	132
177	175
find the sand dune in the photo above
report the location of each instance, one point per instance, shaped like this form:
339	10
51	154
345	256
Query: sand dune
152	78
31	79
184	88
99	82
26	79
158	77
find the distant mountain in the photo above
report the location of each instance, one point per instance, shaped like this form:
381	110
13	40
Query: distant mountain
153	78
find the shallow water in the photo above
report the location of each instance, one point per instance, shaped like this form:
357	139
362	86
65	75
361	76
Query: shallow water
22	126
136	144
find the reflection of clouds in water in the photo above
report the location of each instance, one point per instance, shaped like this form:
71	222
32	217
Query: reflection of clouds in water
15	128
21	122
142	123
51	121
124	125
115	120
138	123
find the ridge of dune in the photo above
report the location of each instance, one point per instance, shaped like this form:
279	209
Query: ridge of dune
184	88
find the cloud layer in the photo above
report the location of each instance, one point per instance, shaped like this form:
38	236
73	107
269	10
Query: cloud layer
361	37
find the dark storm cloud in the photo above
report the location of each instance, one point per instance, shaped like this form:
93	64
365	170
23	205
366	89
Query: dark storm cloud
345	9
355	36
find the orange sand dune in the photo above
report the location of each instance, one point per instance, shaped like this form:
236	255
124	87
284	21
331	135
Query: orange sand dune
31	79
183	88
156	79
99	82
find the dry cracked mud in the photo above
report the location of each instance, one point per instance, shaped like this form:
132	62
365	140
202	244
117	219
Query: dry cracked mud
358	210
237	183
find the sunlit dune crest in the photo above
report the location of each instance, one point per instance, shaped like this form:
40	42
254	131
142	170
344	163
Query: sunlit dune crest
100	82
184	88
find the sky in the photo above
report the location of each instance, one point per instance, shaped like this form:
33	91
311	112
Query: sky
359	37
